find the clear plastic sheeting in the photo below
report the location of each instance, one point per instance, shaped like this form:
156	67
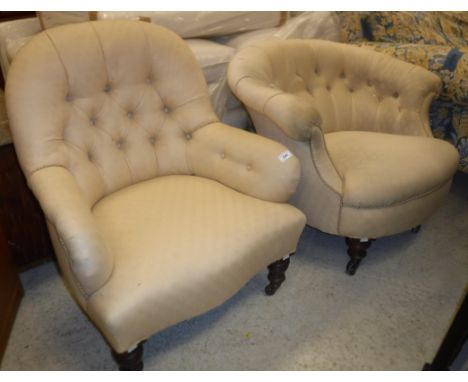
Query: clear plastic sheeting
212	57
52	19
307	25
204	24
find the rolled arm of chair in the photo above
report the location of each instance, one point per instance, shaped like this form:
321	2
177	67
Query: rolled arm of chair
294	113
244	161
67	210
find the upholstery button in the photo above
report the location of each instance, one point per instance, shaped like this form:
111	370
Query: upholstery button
152	140
166	109
107	88
396	95
249	167
351	90
188	136
92	121
342	75
68	98
119	143
328	87
130	114
90	157
316	71
369	83
148	80
223	155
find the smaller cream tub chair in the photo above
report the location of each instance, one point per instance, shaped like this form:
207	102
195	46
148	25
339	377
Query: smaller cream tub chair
358	121
157	211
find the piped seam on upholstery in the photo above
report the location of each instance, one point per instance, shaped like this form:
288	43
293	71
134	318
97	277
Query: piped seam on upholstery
421	196
59	57
102	51
321	177
269	99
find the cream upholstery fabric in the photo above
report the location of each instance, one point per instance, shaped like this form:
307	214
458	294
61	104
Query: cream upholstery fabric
182	244
154	207
358	121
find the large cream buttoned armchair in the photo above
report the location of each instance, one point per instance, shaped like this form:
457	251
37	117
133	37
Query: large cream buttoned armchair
157	211
358	121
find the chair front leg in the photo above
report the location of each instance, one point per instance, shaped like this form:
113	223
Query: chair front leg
130	361
357	250
276	274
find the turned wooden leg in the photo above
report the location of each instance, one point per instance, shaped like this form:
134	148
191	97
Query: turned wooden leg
130	361
276	275
416	229
357	250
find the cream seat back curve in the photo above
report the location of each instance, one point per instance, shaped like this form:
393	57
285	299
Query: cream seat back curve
157	211
358	121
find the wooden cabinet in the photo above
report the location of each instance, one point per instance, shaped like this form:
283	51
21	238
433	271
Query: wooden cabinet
11	292
22	218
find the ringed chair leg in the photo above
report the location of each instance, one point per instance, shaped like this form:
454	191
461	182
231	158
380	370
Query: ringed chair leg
357	250
276	274
130	361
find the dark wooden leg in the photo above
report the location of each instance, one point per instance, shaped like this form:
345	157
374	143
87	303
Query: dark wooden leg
276	275
416	229
130	361
357	250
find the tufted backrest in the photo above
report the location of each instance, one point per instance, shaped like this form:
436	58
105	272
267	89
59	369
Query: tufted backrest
352	88
114	102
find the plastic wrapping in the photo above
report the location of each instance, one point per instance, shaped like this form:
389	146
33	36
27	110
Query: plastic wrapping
236	117
212	57
204	24
13	35
52	19
320	25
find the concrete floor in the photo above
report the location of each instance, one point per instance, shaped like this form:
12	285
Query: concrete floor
392	315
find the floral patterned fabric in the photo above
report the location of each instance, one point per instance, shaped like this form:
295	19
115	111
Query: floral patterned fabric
437	41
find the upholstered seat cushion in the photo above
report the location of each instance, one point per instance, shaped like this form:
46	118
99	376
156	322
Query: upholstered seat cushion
380	170
182	245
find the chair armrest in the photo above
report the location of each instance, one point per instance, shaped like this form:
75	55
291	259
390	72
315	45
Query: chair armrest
67	210
294	113
244	161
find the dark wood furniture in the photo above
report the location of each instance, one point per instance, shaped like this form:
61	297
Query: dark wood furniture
453	342
11	292
21	215
22	219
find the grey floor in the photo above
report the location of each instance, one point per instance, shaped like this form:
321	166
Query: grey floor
392	315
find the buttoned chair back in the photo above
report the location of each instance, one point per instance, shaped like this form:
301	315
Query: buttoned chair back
358	121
